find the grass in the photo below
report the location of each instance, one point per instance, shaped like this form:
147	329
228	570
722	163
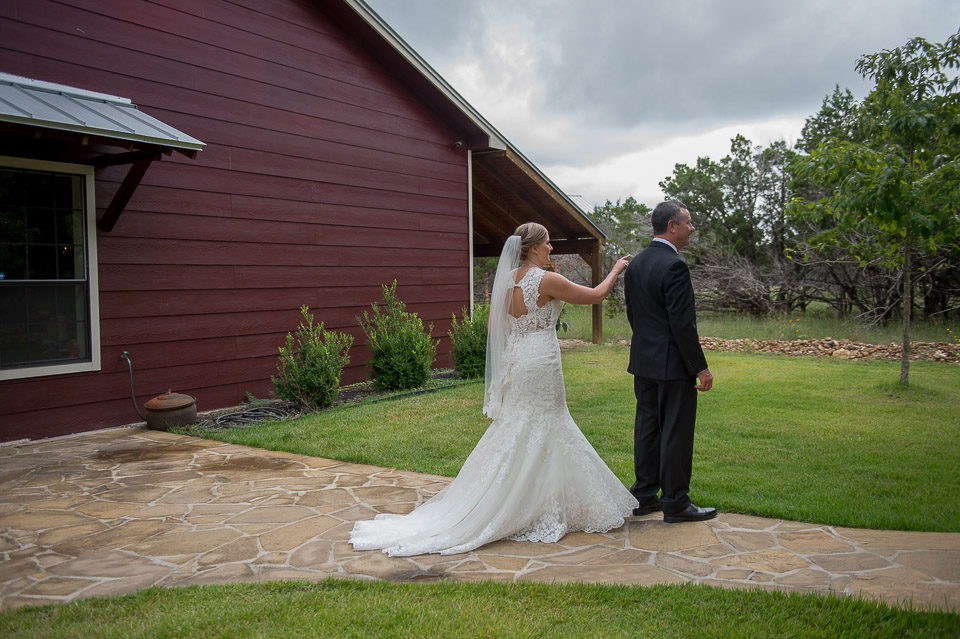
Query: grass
814	324
820	440
829	441
343	608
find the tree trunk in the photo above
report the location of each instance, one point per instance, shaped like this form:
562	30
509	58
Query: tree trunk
907	311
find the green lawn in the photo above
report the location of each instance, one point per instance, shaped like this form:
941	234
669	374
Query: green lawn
822	440
340	608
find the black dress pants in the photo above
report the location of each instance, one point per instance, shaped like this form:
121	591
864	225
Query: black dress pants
663	440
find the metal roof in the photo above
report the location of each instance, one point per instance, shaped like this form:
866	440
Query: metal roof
56	106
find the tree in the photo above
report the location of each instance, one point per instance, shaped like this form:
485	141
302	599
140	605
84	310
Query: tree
626	225
836	120
896	179
739	206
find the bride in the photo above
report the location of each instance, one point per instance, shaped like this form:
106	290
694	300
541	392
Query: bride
533	476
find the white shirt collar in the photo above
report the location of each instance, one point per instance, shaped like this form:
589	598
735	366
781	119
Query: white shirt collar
668	243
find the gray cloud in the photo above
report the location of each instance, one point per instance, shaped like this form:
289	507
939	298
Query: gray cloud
615	77
699	62
716	62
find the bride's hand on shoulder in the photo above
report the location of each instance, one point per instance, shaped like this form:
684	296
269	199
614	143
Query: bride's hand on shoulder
622	264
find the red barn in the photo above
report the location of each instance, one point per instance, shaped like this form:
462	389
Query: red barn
265	154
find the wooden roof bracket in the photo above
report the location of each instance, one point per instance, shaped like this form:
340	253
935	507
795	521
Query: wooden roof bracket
140	161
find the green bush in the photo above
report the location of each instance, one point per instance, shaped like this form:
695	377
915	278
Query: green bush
469	340
614	306
402	351
311	364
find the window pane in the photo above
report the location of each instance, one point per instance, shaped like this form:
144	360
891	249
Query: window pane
66	262
41	226
41	262
13	261
42	237
64	186
38	188
13	224
55	329
13	305
11	188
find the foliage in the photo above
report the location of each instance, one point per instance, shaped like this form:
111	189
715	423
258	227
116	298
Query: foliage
311	364
627	226
897	183
469	340
836	120
739	207
861	216
562	323
402	352
613	306
484	270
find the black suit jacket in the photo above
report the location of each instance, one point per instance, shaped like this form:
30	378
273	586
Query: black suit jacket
660	309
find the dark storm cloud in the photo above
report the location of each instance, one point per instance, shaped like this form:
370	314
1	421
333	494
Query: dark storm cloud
713	62
678	64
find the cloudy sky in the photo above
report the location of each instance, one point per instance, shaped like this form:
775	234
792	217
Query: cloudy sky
606	96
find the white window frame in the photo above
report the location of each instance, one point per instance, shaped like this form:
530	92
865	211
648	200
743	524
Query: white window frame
91	265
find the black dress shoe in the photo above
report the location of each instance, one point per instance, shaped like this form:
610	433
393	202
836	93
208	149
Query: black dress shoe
691	513
647	506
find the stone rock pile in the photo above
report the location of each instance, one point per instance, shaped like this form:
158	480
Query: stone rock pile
842	348
827	347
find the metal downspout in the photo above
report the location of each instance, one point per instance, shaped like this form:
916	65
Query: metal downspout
470	222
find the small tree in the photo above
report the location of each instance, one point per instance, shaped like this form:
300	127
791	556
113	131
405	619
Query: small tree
899	180
469	340
311	364
402	351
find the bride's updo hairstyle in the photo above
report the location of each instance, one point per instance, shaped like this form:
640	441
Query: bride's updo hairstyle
530	234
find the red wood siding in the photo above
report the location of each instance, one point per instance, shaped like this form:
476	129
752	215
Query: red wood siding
322	179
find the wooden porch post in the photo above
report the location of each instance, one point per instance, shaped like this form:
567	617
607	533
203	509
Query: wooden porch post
596	276
594	259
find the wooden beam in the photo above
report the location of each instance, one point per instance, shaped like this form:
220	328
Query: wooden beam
487	250
113	159
503	209
538	212
552	191
123	194
596	274
592	254
584	248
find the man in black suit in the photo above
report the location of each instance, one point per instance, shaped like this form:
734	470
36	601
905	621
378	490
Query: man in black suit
668	368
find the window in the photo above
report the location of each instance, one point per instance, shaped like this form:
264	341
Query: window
49	315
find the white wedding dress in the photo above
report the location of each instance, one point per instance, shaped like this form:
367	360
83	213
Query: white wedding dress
533	476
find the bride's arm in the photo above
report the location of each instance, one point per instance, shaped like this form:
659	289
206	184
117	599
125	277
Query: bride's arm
556	285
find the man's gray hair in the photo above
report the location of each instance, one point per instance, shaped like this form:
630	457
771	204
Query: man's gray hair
665	212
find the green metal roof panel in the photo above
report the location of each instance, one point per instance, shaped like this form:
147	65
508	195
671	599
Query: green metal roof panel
56	106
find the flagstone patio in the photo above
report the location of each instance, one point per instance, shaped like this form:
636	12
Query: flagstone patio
114	511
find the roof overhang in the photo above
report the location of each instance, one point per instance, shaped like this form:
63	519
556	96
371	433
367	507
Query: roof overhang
46	105
89	119
508	191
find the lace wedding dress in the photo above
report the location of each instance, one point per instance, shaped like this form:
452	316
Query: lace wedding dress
533	476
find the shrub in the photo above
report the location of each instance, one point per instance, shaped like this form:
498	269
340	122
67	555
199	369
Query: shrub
614	306
311	364
469	340
562	322
402	351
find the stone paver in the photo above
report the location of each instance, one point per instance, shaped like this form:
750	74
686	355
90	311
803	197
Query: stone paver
114	511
